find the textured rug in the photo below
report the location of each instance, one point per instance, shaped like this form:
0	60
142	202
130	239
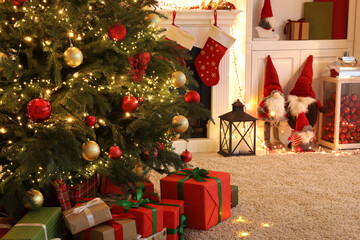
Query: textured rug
289	196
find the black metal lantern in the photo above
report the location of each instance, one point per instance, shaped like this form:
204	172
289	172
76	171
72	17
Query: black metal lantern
237	132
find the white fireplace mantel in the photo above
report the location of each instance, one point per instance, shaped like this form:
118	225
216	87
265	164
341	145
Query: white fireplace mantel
197	23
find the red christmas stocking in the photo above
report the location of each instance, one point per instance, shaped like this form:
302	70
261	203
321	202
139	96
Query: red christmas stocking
207	62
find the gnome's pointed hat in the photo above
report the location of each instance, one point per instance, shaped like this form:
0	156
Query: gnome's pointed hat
303	85
266	11
301	122
271	78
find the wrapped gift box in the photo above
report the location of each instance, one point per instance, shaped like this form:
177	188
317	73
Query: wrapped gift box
107	187
297	30
36	224
174	220
207	198
87	215
86	189
157	236
116	229
234	195
6	223
149	217
62	194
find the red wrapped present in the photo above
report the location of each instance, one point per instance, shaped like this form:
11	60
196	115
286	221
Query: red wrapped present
174	218
121	227
206	195
6	223
62	194
149	217
108	187
86	189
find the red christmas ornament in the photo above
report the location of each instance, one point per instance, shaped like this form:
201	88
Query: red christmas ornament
298	149
347	116
351	104
348	136
354	97
353	134
354	117
160	146
342	136
147	153
344	130
351	125
358	112
129	104
345	97
352	141
346	102
358	129
114	152
358	138
346	109
39	110
326	128
330	135
358	121
345	141
186	156
90	121
353	110
140	100
18	3
325	137
192	96
117	32
357	104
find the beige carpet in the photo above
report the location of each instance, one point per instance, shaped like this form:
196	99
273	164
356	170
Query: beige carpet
299	196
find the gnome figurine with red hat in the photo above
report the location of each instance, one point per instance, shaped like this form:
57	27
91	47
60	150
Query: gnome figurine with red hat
303	135
267	23
272	107
302	98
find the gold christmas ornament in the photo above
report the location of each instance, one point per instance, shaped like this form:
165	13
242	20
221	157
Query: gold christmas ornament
184	123
178	79
2	1
2	58
142	171
34	199
73	57
153	19
90	150
175	137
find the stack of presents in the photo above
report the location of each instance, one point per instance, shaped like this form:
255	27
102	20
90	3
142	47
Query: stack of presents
193	198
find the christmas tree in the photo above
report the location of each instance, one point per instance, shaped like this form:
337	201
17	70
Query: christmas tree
87	87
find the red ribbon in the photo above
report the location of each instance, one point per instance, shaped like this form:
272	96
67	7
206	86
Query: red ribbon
174	16
301	21
119	231
215	17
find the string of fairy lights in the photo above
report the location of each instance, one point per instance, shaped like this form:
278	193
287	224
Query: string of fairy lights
84	79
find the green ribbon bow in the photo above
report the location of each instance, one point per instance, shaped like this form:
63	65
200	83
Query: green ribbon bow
140	203
199	175
179	229
182	223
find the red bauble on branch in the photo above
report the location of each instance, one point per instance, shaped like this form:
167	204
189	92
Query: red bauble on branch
114	152
117	32
90	121
160	146
129	104
18	3
192	96
39	110
186	156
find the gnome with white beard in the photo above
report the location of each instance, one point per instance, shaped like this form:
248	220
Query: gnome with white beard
267	23
302	98
303	136
272	107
